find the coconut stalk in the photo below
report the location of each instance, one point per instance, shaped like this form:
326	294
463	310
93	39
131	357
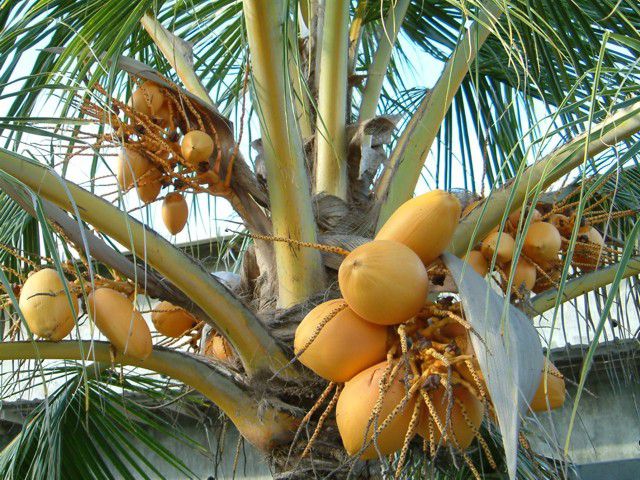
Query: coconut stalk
300	90
581	285
612	130
255	346
179	55
299	270
355	34
400	178
378	69
262	425
331	121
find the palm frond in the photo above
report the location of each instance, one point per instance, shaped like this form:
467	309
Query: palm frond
85	429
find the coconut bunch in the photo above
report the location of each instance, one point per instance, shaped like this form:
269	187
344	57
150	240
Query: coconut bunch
165	141
544	248
50	305
400	365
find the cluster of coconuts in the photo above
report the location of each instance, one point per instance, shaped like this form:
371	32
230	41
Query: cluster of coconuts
385	283
541	250
45	306
137	169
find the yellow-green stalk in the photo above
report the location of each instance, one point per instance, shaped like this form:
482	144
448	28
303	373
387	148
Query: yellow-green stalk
299	270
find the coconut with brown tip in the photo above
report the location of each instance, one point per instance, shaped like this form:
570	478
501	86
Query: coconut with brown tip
46	307
197	147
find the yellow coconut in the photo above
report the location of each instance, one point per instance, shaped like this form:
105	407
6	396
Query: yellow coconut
355	409
588	256
172	321
562	223
384	282
514	219
346	345
554	393
503	243
476	260
425	224
542	243
462	408
147	98
197	147
175	212
131	166
116	318
218	347
525	274
150	185
45	306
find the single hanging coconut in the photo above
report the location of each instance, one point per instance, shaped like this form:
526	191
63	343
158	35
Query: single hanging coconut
562	223
355	409
425	224
175	212
150	186
476	260
196	147
502	243
588	256
346	345
45	306
525	274
384	282
555	393
446	406
131	166
147	99
116	318
542	243
172	321
218	347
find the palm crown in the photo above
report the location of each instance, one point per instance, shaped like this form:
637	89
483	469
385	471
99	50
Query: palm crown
532	119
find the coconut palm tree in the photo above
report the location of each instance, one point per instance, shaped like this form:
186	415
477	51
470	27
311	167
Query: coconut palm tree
534	105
